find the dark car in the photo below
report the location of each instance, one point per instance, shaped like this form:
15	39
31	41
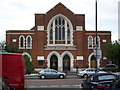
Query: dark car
109	67
51	73
99	80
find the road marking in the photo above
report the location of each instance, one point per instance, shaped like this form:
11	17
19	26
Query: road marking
54	86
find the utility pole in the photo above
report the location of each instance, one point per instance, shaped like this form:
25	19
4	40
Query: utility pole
96	46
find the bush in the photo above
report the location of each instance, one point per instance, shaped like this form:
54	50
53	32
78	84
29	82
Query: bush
28	65
34	72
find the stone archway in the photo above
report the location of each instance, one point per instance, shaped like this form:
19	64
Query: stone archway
66	63
58	57
71	61
93	62
27	54
54	62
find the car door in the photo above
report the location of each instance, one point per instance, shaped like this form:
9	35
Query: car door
90	71
47	73
54	74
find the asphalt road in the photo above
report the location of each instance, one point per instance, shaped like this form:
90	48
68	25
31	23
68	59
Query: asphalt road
35	82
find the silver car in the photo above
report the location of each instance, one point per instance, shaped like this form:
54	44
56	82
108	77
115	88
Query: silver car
88	71
51	73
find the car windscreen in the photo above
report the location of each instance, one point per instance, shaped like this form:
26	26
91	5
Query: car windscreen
106	77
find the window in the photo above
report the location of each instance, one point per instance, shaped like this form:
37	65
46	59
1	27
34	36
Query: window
90	42
29	42
98	41
21	42
106	77
60	31
41	62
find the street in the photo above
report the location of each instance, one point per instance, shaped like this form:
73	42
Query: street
53	83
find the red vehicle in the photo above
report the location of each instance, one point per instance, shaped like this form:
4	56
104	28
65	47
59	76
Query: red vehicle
12	70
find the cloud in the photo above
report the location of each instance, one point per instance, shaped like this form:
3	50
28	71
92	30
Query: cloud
19	14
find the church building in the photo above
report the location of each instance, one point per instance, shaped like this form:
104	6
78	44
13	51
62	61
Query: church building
59	40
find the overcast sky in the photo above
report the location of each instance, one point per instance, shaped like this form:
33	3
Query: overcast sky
19	14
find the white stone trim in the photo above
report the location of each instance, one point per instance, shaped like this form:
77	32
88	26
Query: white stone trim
80	58
71	29
72	69
25	53
89	60
14	40
40	28
88	42
23	42
58	56
18	33
79	28
30	42
40	58
98	33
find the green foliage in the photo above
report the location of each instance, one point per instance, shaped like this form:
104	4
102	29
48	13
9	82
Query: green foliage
2	44
34	72
11	48
112	51
28	65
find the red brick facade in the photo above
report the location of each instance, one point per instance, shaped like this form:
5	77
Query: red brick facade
78	52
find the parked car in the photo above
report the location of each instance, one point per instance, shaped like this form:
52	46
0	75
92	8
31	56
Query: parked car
99	80
51	73
86	72
109	67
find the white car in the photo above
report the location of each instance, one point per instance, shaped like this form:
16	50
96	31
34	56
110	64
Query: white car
88	71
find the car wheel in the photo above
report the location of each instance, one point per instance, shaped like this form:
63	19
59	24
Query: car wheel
61	76
85	75
42	77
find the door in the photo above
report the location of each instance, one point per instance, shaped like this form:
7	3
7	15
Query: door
93	62
54	62
66	63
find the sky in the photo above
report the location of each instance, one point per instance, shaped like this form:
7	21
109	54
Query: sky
20	14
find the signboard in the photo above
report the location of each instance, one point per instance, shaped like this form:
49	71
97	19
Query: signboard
99	53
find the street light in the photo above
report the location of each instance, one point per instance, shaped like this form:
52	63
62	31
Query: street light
96	46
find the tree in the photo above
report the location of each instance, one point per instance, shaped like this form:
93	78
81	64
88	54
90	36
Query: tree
112	52
11	48
28	65
2	45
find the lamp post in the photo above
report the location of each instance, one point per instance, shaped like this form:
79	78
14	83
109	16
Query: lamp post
96	46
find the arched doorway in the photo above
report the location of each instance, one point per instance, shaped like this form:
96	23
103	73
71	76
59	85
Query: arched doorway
93	62
66	63
54	62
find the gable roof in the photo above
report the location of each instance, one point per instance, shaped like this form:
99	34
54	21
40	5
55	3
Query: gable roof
58	5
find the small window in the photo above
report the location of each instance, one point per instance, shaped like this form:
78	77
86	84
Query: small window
90	42
46	70
41	62
53	71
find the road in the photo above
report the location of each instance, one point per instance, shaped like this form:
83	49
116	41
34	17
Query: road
53	83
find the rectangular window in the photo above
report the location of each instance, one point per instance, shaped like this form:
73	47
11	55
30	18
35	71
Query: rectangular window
41	62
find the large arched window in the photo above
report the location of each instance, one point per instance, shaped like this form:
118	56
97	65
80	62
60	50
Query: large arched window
60	31
28	42
90	42
21	42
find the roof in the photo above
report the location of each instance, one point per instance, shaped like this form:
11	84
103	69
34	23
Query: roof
10	54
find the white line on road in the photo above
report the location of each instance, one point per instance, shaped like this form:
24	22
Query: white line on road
53	86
